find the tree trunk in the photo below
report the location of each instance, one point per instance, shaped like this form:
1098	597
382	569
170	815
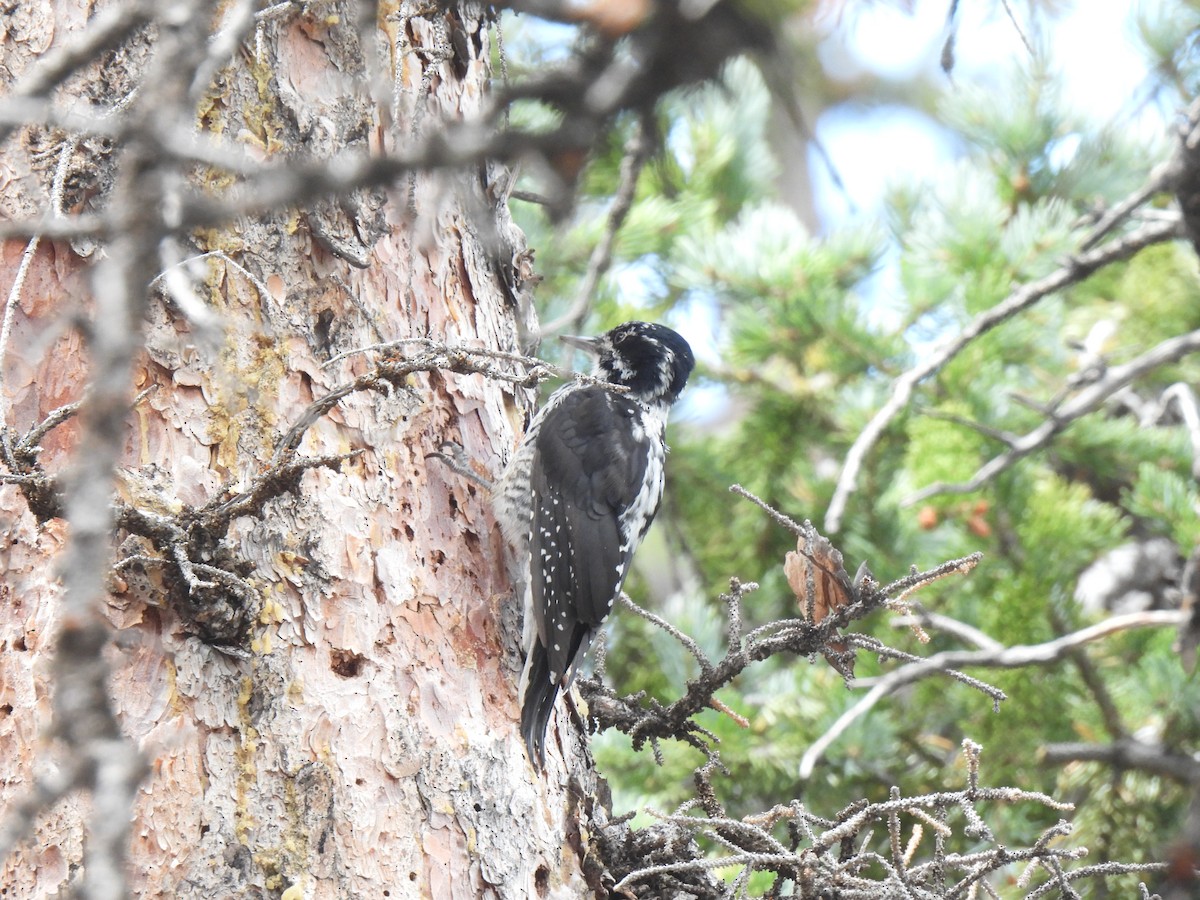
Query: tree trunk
348	730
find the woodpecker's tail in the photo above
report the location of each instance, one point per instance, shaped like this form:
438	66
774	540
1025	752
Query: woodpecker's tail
537	704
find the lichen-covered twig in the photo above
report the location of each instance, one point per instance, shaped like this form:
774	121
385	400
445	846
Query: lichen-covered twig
649	720
899	847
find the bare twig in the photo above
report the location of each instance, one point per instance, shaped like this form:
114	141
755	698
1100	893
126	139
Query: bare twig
29	443
57	187
10	307
588	97
83	716
1184	399
690	645
1162	177
278	10
1087	400
953	627
268	186
1098	870
174	277
876	646
839	855
637	151
902	588
282	476
107	29
780	519
432	346
799	636
1012	17
238	21
391	374
1004	658
1004	437
1129	753
1072	271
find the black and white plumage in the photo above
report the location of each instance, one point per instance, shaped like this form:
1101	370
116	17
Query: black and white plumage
578	497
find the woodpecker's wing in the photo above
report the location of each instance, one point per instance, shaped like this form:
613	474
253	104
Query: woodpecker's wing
589	470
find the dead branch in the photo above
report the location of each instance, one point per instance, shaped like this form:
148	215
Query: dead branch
1100	870
83	717
57	187
643	723
1129	753
106	30
842	856
649	720
392	373
1002	658
968	634
677	47
1179	174
1087	400
638	150
1073	270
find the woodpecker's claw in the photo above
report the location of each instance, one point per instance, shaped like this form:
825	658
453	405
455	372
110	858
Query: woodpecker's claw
454	456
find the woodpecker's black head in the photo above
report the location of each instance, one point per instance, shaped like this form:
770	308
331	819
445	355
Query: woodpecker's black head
653	361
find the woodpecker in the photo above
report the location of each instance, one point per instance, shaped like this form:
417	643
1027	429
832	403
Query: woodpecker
577	498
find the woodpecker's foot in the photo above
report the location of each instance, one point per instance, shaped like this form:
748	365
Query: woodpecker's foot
454	456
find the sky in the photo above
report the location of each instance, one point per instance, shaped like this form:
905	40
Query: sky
1093	46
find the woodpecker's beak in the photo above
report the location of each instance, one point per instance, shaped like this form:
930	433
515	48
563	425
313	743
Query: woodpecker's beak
586	344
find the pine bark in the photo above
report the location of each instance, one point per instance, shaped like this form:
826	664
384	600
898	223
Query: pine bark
361	740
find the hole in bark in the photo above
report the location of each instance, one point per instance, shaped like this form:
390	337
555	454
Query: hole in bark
438	559
412	876
541	881
471	539
408	532
453	507
345	663
19	644
324	328
6	709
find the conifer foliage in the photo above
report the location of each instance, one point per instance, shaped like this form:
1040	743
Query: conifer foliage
1002	361
919	618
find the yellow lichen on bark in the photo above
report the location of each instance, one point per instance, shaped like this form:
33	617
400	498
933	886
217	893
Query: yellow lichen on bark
362	739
